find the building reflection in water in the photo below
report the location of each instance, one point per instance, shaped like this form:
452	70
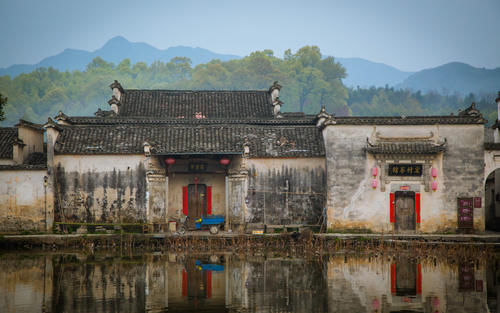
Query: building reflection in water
229	283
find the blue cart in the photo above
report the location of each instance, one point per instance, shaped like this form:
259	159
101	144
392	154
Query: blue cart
212	222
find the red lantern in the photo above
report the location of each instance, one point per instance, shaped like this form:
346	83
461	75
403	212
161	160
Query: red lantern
374	171
224	161
170	161
434	185
374	183
434	172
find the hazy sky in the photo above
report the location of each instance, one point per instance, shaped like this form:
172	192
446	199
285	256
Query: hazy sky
408	34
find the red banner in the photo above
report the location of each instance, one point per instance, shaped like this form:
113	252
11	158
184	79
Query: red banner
417	207
209	200
391	206
185	200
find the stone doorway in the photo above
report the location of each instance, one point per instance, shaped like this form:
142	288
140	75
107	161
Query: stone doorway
405	221
492	201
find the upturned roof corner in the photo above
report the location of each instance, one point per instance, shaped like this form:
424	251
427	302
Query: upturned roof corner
274	86
324	119
473	112
52	124
117	85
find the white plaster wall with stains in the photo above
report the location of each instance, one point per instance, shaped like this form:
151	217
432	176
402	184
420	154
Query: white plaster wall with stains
353	204
23	200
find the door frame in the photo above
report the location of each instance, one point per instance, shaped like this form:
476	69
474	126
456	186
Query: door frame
406	194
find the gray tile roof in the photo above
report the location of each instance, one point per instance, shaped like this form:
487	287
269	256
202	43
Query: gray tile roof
405	148
8	135
408	120
85	120
264	140
189	104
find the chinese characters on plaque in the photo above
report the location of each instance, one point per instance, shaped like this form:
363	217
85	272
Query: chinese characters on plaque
197	167
405	170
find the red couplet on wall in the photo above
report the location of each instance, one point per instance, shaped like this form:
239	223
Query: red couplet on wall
391	200
419	279
184	283
185	200
417	206
393	278
209	200
209	284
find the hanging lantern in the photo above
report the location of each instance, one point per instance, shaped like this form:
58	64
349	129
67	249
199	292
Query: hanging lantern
224	161
434	185
374	171
434	172
374	183
170	161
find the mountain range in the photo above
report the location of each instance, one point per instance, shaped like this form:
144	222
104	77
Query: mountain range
449	78
115	50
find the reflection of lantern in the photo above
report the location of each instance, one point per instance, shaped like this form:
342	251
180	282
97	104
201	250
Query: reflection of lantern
434	185
434	172
170	161
374	171
224	161
374	183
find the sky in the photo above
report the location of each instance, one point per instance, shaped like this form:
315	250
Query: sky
408	34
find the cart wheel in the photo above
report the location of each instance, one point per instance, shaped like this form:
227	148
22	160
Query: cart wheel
182	229
214	229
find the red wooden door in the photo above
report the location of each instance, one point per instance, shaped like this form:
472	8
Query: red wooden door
197	202
405	211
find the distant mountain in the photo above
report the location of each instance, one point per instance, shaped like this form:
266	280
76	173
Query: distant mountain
454	77
446	79
364	73
115	50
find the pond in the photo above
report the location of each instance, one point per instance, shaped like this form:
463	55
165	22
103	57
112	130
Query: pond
179	282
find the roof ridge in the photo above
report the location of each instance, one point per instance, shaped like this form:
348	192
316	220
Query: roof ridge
201	90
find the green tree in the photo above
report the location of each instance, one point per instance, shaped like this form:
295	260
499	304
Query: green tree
3	102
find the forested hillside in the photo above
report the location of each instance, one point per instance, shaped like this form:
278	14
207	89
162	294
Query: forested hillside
308	81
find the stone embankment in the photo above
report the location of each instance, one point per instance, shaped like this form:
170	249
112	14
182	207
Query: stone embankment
203	241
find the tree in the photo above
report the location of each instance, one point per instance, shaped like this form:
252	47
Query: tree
3	102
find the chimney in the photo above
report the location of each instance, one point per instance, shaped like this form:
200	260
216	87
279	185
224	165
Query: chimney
115	104
117	90
274	90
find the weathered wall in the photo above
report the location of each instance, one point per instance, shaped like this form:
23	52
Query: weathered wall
353	204
100	188
262	284
463	171
24	200
285	191
177	181
26	284
364	285
33	140
109	284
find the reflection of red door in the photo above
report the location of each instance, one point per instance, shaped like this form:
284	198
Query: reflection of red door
406	278
196	282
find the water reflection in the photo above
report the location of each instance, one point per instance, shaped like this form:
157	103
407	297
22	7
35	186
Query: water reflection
232	283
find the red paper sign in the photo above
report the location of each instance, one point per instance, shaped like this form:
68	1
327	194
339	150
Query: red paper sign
477	202
479	285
